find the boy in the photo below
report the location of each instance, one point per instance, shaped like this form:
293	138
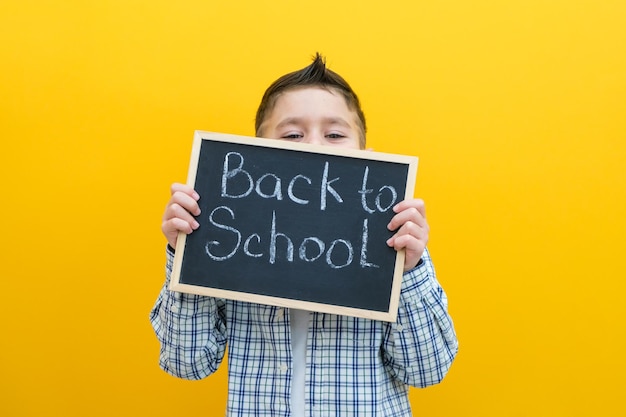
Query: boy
287	362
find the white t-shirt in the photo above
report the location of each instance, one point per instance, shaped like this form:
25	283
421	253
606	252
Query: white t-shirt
299	323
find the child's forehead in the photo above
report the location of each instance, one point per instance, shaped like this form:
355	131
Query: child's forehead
310	99
310	107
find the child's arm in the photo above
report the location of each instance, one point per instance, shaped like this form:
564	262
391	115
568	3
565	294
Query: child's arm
422	344
191	330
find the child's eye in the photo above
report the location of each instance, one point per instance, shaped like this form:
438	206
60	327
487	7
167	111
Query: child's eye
335	136
292	136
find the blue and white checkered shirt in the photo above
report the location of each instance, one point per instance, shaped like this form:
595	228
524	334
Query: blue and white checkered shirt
354	366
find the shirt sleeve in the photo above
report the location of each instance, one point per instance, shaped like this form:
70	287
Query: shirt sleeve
419	348
191	330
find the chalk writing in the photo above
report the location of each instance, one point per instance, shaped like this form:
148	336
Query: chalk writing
339	253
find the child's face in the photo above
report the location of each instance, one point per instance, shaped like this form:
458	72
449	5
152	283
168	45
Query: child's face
313	115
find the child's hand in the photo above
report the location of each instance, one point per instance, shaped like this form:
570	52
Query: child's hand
179	212
411	230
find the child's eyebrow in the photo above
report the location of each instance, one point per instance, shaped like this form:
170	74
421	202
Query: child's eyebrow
337	121
299	120
289	121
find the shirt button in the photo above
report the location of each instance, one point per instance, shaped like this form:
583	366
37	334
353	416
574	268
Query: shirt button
280	313
399	327
283	368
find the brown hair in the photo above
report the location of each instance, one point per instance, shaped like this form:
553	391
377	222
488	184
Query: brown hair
314	75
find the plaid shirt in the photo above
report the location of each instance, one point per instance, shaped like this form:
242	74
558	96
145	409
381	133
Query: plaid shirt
354	366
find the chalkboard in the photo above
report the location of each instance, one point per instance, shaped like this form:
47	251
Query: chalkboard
294	225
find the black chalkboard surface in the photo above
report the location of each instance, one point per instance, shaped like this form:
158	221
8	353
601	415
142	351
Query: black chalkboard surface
294	225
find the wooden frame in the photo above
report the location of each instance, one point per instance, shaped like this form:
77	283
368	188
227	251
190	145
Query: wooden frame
408	163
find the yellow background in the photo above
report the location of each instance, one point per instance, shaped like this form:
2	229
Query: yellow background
517	110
